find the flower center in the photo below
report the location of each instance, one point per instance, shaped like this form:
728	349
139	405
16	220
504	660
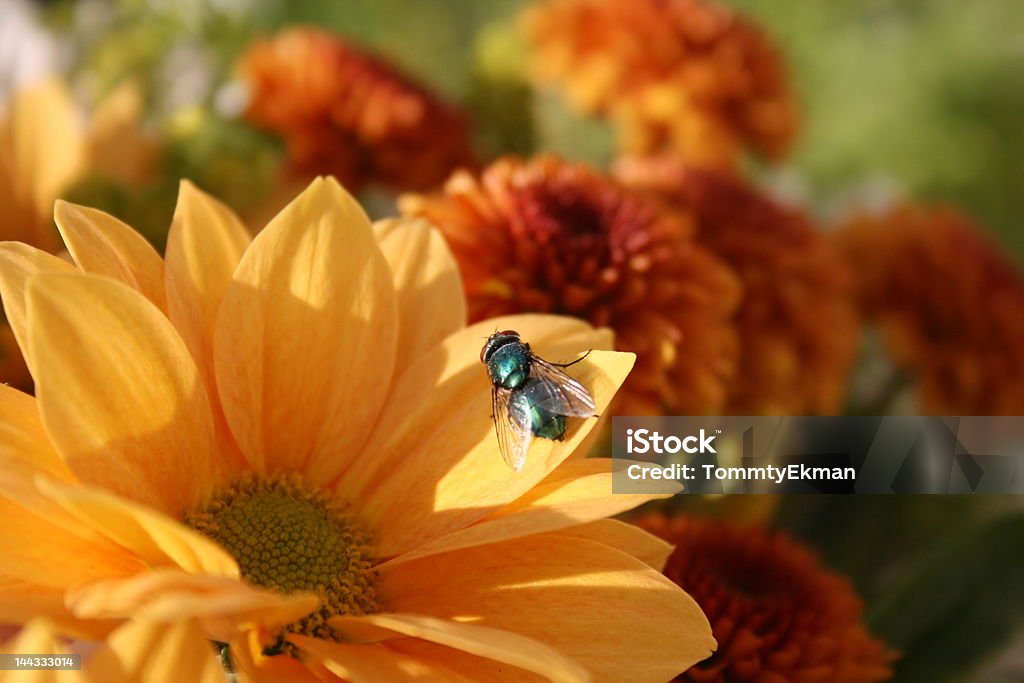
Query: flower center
291	540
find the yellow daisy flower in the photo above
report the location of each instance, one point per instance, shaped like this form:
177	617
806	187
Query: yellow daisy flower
288	440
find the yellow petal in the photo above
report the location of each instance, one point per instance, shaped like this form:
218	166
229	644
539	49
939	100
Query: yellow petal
469	666
119	394
103	245
373	663
22	601
18	263
39	638
48	142
252	666
601	607
37	549
306	335
501	646
626	538
433	465
225	607
152	536
204	245
44	543
431	303
24	445
156	653
578	491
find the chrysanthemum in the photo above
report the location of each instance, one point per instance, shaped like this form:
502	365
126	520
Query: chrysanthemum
343	111
44	149
289	440
797	321
548	236
777	613
947	303
690	76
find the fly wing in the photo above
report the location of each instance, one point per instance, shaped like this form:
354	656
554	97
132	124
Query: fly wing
575	400
514	436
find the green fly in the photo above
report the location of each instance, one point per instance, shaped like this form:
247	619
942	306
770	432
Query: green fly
529	396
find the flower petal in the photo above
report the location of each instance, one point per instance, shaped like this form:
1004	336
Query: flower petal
224	606
440	457
119	394
18	263
373	663
578	491
252	666
204	245
44	543
157	539
431	303
605	609
305	338
155	653
38	637
22	601
626	538
501	646
44	551
103	245
24	446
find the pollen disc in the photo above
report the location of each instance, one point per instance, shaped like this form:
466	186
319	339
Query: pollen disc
289	539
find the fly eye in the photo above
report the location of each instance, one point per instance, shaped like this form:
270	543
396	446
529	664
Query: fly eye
509	333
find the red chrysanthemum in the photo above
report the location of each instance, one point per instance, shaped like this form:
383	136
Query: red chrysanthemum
347	113
686	75
948	304
777	614
797	322
548	236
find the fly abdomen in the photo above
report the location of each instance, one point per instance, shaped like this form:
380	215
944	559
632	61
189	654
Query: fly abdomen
532	408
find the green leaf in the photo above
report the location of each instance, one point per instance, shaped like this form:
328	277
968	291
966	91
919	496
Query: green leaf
959	602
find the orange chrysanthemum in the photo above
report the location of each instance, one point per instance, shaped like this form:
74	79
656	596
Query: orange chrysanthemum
549	236
345	112
777	613
284	444
685	75
948	304
797	322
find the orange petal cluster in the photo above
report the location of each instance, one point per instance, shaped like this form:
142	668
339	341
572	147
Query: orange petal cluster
690	76
345	112
797	322
546	235
948	305
777	614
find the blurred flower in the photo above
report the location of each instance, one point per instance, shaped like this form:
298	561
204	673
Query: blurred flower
690	76
777	614
44	151
545	235
288	439
948	305
797	321
346	112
